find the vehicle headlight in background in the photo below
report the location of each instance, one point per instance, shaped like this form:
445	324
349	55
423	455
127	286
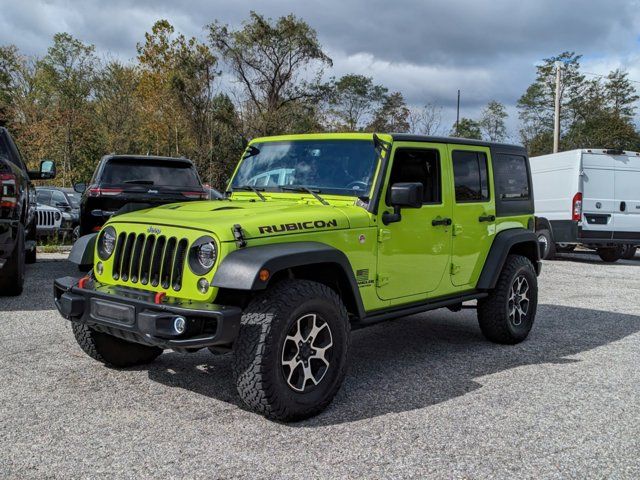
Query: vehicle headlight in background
57	216
106	242
203	255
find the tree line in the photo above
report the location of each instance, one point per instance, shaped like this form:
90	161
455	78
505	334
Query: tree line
204	98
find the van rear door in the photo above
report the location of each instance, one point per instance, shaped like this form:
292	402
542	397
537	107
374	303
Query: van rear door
598	196
626	217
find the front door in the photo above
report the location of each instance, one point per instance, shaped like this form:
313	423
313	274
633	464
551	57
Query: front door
414	253
474	212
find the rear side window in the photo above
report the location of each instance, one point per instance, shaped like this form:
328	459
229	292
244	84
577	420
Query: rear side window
160	173
511	177
470	176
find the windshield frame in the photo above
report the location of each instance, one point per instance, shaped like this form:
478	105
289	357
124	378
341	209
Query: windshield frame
324	190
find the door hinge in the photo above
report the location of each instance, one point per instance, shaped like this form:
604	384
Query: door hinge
454	268
457	229
382	280
384	235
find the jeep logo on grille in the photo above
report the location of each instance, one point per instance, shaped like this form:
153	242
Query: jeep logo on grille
154	230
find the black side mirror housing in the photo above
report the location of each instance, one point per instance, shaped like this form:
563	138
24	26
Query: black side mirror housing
403	195
80	187
47	171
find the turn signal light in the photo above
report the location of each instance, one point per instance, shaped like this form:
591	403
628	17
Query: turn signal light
159	297
576	208
264	275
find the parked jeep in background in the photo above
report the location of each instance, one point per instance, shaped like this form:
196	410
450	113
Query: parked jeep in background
341	231
49	221
68	202
17	214
123	183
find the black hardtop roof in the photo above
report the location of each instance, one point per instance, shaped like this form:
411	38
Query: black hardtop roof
408	137
106	158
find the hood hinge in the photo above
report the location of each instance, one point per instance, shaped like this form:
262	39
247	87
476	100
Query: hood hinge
239	236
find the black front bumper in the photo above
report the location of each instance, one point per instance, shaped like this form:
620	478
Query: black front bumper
131	315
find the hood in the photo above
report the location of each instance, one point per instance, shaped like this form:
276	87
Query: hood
257	219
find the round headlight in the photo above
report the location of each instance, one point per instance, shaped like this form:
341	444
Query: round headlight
106	243
203	255
57	216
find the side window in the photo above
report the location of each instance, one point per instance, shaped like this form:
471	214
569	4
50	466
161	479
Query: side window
511	177
58	197
418	165
44	197
470	176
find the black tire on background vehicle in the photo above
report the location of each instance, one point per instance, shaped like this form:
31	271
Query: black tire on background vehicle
291	354
12	279
567	248
610	254
507	314
30	255
548	252
629	251
110	350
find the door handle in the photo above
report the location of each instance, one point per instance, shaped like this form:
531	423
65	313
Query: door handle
487	218
441	221
623	206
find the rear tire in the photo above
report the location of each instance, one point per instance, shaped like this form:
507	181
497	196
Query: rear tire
110	350
568	248
548	251
610	254
629	251
507	314
12	274
291	353
30	256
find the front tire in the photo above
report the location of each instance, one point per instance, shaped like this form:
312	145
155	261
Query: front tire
548	250
507	314
110	350
12	274
291	353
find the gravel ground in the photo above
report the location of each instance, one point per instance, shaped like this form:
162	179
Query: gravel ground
426	396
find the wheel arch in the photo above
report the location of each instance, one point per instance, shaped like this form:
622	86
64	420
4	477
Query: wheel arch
517	241
240	270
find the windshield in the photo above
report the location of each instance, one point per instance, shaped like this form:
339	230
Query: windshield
74	199
343	167
150	172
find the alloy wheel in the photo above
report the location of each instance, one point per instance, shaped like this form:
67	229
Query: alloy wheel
518	303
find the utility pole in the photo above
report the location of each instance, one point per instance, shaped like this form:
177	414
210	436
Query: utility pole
458	114
556	117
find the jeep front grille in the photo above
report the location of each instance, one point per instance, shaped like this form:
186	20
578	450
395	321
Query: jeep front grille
150	259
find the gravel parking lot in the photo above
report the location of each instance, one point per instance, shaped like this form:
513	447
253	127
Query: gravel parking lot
426	396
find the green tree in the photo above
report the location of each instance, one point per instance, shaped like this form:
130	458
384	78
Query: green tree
391	116
467	128
353	99
492	121
270	60
620	94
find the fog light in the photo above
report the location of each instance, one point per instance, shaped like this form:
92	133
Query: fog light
99	268
179	325
203	285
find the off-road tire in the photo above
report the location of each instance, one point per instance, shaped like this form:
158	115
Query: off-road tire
12	275
610	254
110	350
545	238
493	311
629	251
260	380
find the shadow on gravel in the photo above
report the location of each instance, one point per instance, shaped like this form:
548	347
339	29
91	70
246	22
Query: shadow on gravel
593	259
418	361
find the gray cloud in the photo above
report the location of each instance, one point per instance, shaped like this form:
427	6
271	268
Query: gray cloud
427	50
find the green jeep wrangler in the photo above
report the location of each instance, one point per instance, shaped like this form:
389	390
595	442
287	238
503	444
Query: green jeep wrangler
319	235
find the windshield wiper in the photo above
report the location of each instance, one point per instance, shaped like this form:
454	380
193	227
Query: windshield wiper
140	182
251	188
300	188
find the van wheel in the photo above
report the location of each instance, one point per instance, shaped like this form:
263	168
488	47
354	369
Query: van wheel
110	350
628	252
610	254
12	274
548	250
507	314
565	248
292	350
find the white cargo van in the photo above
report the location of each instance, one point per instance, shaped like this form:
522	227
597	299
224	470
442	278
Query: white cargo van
589	197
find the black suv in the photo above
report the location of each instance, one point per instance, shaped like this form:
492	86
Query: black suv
124	183
68	202
17	214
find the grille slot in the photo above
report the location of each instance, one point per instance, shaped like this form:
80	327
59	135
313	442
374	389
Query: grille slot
148	259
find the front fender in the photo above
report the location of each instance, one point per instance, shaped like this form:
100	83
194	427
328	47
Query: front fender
82	250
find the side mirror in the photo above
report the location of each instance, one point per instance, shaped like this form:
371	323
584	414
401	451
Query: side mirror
80	187
47	169
403	195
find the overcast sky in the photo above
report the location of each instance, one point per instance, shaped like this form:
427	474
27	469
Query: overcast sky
425	49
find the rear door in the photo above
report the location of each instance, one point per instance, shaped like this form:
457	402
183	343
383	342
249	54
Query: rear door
598	196
626	216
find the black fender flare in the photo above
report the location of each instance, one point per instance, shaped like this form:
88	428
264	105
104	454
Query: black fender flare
240	269
82	250
518	240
